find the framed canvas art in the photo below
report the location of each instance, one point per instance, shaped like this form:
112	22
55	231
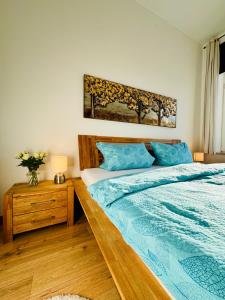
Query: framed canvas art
107	100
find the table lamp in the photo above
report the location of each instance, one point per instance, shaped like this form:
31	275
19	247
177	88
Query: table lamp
59	166
198	156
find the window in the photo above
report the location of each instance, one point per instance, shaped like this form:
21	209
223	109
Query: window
220	116
219	123
222	96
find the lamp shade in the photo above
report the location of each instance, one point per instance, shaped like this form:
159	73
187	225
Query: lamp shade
59	163
198	156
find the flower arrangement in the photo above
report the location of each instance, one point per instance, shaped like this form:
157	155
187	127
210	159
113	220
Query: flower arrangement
32	161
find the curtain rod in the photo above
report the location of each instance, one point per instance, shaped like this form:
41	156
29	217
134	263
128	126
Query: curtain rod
220	37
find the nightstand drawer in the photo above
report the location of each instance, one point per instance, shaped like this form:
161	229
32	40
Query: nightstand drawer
28	204
35	220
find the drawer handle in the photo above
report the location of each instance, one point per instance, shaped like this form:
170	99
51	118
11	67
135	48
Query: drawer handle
44	219
43	202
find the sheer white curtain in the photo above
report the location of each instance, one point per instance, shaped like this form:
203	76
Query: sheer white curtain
210	69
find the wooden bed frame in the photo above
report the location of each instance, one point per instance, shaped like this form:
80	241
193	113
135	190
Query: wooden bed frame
134	280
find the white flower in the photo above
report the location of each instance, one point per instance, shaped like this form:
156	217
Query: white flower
25	156
36	154
42	155
18	155
25	152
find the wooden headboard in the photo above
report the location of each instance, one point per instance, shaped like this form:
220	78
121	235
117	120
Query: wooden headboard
91	157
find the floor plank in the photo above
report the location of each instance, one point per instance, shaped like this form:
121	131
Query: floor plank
55	260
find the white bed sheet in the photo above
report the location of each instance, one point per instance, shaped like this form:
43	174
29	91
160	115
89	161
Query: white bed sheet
90	176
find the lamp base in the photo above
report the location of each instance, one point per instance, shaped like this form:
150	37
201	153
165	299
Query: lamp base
59	178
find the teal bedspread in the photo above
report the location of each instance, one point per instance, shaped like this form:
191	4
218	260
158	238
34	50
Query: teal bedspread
174	218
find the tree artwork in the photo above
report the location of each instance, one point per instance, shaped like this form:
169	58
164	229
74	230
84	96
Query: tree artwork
113	101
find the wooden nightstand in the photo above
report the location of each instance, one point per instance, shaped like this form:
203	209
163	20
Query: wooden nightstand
30	207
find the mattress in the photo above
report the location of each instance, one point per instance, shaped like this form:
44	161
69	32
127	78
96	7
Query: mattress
93	175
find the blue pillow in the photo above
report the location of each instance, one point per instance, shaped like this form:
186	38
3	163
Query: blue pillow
124	156
171	155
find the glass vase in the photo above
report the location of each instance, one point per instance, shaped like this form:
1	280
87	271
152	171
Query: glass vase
32	177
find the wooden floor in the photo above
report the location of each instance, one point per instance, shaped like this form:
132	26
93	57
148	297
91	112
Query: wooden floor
55	260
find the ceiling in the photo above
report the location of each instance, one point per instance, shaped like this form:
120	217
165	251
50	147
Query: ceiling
198	19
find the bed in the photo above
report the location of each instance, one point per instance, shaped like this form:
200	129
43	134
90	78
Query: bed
176	229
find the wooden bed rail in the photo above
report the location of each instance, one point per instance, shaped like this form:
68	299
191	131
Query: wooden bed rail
133	279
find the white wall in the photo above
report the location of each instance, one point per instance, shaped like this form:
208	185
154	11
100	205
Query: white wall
50	44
